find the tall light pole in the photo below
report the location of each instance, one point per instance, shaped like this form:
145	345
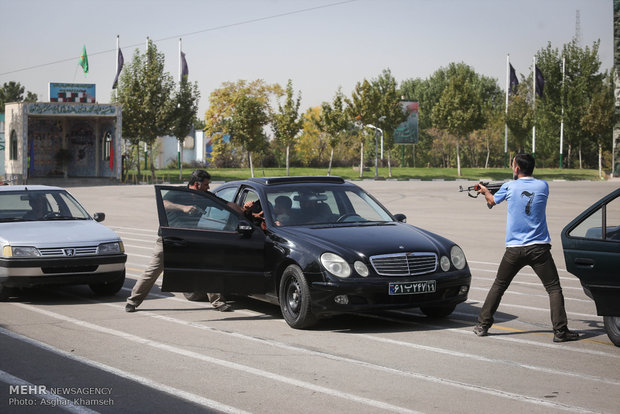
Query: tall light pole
377	131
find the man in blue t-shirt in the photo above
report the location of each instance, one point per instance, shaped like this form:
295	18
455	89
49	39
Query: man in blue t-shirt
527	244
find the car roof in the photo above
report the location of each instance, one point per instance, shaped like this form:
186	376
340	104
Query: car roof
295	180
29	188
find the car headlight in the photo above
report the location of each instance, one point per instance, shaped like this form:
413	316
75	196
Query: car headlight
458	257
111	248
445	263
20	251
361	268
335	265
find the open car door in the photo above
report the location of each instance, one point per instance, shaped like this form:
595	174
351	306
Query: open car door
591	244
212	248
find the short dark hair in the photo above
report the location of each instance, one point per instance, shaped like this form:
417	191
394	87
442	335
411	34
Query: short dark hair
198	176
526	163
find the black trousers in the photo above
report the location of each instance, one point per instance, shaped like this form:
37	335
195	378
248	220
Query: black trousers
538	256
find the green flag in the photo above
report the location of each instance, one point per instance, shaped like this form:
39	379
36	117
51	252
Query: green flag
84	60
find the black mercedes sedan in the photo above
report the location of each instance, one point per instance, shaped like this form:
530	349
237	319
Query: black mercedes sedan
324	246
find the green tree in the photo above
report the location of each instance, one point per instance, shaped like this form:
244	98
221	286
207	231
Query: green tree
459	110
246	125
519	119
389	109
335	123
582	78
14	92
286	123
599	118
313	141
145	92
362	107
222	106
184	113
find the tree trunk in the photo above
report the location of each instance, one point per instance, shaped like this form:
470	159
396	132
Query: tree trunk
600	160
568	154
486	162
251	166
389	165
580	166
331	158
138	158
458	159
152	163
180	161
362	160
287	150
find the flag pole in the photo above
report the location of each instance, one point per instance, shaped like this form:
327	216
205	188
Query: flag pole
117	49
534	106
562	122
179	138
506	123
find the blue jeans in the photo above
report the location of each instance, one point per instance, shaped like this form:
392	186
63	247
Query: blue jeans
538	256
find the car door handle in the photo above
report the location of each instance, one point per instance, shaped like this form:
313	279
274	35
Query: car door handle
582	261
176	241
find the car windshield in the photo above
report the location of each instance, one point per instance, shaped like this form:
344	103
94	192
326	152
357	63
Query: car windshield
39	205
299	205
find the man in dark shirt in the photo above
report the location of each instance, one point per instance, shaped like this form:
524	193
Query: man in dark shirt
183	209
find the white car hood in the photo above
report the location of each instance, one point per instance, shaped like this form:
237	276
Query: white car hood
56	233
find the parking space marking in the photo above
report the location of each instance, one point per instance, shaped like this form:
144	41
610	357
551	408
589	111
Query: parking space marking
224	363
470	387
205	402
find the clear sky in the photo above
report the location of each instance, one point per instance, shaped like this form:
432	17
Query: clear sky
334	43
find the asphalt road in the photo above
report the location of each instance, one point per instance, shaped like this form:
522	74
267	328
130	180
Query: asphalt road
64	349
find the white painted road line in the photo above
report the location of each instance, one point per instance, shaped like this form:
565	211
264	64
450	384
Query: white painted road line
196	399
54	399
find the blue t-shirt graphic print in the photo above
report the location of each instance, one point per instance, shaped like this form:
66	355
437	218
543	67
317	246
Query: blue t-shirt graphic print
526	222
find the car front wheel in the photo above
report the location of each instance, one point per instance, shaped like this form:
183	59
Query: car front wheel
612	327
108	288
437	311
295	299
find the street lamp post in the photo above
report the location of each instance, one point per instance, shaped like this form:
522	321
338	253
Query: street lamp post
377	132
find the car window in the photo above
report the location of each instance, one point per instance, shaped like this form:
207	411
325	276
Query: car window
314	204
227	193
193	210
37	205
591	227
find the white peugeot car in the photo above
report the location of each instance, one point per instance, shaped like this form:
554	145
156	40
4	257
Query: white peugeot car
48	238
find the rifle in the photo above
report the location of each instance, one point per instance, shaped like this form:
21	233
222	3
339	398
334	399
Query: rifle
492	187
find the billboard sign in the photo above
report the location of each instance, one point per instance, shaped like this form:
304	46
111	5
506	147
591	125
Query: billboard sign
72	92
407	132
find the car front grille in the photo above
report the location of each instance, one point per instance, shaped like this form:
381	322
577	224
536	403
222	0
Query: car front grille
68	251
404	264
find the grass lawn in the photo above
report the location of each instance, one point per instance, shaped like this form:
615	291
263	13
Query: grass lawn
405	173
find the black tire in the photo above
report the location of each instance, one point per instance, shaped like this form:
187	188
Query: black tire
295	300
195	296
612	327
108	288
437	311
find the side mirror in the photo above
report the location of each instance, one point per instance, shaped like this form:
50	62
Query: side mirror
400	217
99	217
245	228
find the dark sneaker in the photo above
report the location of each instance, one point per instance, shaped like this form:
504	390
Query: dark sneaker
224	308
130	308
565	336
481	330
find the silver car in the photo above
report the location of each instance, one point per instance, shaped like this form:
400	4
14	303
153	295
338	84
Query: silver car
48	238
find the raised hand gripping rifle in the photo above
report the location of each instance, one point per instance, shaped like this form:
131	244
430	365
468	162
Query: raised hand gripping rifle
492	187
